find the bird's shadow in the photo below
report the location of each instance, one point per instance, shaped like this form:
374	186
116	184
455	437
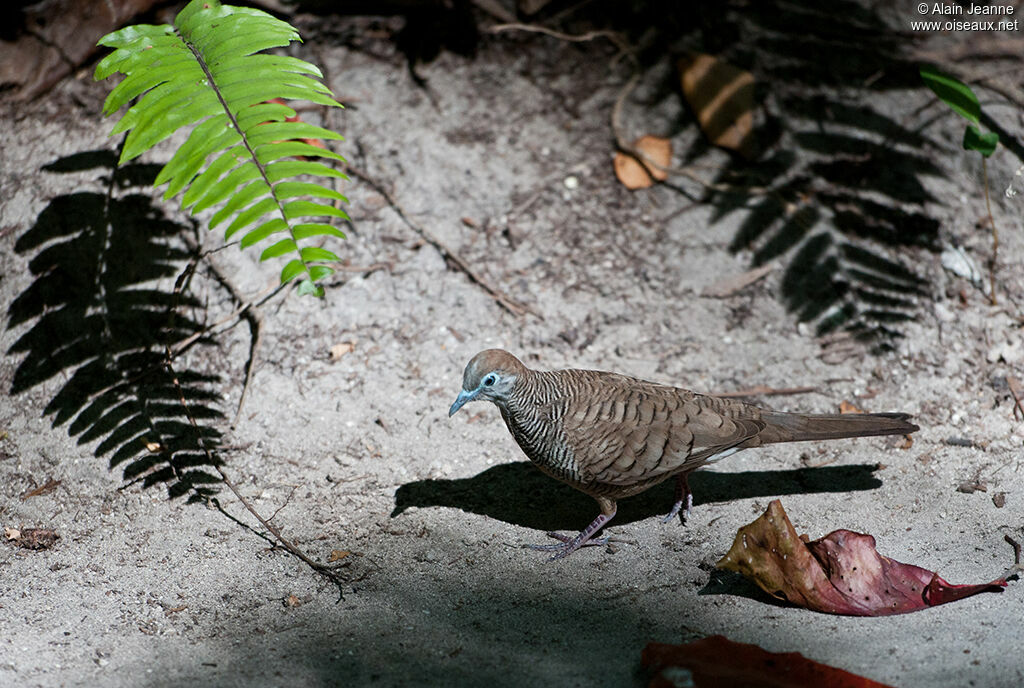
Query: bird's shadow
519	494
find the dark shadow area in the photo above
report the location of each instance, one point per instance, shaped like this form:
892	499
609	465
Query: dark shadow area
97	320
731	583
518	493
844	207
844	203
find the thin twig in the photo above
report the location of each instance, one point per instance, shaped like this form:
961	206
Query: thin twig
247	311
612	36
1017	567
1015	392
323	570
507	302
995	236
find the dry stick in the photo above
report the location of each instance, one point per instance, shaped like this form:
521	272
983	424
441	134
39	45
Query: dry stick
1017	567
248	311
1015	392
580	38
995	236
323	570
505	301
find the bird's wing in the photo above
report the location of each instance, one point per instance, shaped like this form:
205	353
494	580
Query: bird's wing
623	431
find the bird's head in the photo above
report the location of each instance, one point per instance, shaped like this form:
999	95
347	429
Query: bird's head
489	376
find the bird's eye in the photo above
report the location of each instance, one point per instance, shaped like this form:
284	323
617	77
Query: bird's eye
489	380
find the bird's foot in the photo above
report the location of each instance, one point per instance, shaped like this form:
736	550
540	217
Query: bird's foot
571	544
568	545
683	496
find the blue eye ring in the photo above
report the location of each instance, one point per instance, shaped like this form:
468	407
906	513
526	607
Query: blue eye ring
490	380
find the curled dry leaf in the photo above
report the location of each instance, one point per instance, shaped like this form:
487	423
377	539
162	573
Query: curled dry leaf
717	661
340	349
632	174
841	573
722	98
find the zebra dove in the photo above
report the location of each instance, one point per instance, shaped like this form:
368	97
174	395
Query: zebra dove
613	436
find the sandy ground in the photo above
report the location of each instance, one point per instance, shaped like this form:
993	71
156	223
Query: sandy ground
357	454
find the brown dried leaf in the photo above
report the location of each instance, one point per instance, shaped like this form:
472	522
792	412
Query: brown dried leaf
841	573
847	407
632	174
722	98
717	661
342	348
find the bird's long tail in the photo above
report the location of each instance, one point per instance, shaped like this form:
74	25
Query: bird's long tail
796	427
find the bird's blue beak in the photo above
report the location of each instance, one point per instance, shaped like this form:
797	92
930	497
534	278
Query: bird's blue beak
464	396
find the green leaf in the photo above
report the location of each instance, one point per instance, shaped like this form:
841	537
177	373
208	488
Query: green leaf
225	162
318	272
292	270
296	209
983	143
312	254
206	75
279	131
250	215
279	249
307	287
240	198
285	149
284	169
293	189
306	231
263	231
953	93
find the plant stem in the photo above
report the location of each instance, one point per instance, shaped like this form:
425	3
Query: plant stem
995	236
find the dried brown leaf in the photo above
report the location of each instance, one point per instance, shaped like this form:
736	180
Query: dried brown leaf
722	98
634	175
342	348
848	407
841	573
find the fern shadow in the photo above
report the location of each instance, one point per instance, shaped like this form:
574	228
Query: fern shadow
845	207
96	317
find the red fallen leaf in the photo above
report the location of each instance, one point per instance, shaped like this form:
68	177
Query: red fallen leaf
717	661
841	573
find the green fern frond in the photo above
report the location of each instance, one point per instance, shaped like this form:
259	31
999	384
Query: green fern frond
207	72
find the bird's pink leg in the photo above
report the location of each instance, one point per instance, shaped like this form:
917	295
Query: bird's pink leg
683	494
570	545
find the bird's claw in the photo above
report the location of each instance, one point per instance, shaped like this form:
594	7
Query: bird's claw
568	545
